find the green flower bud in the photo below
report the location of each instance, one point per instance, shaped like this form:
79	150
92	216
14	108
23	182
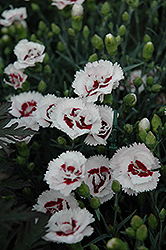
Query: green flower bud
47	70
142	248
83	190
150	81
31	166
147	38
116	244
130	99
38	67
33	38
162	214
133	3
111	25
8	198
61	141
35	7
6	39
108	99
122	30
137	82
23	149
77	23
93	247
55	29
128	128
118	40
105	9
35	146
4	30
150	140
130	231
46	58
153	4
144	124
136	222
86	32
42	26
20	161
95	202
25	86
42	86
142	232
110	43
142	135
116	187
148	50
71	32
93	58
97	42
152	221
156	124
156	88
7	51
126	17
60	46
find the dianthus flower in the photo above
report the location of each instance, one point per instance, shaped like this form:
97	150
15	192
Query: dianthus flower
135	168
23	107
52	201
99	177
28	53
107	115
97	78
16	76
75	117
13	15
60	4
66	172
69	226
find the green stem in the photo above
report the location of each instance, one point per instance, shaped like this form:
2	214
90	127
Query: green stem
160	233
115	215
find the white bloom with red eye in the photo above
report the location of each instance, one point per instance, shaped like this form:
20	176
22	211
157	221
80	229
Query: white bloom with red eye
23	107
16	76
60	4
135	168
66	172
69	226
28	53
52	201
107	116
97	78
13	15
45	110
75	117
99	177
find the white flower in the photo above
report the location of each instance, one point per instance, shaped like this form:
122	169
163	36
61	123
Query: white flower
99	177
77	10
16	76
13	15
97	78
134	168
52	201
144	124
107	115
28	53
23	107
75	117
60	4
69	226
66	172
45	109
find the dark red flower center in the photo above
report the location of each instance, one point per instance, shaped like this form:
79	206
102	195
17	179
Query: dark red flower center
71	230
97	85
69	171
138	168
27	108
55	206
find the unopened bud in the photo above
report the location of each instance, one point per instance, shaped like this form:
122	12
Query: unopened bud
60	46
144	124
125	17
6	39
147	38
86	32
93	247
97	42
116	244
83	190
31	166
77	10
133	3
71	32
148	50
150	81
95	202
110	43
162	111
33	38
162	214
128	128
38	67
156	88
130	231
25	86
116	187
142	135
150	140
105	9
142	232
55	28
23	149
35	146
20	160
130	99
42	26
156	124
93	58
61	141
47	70
118	40
136	222
122	30
42	86
35	7
137	82
142	248
152	221
46	58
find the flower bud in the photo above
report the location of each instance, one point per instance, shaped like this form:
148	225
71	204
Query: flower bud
125	17
35	146
162	214
8	198
33	38
42	26
130	99
25	86
133	3
136	222
108	99
122	30
150	81
144	124
156	124
150	140
23	149
93	58
142	135
61	141
83	190
6	39
60	46
95	202
31	166
20	160
137	82
77	10
38	67
71	32
156	88
55	28
130	231
97	42
46	58
86	32
4	30
148	50
142	232
110	43
116	244
118	40
35	7
147	38
47	70
42	86
128	128
105	9
7	51
142	248
116	187
152	221
93	247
